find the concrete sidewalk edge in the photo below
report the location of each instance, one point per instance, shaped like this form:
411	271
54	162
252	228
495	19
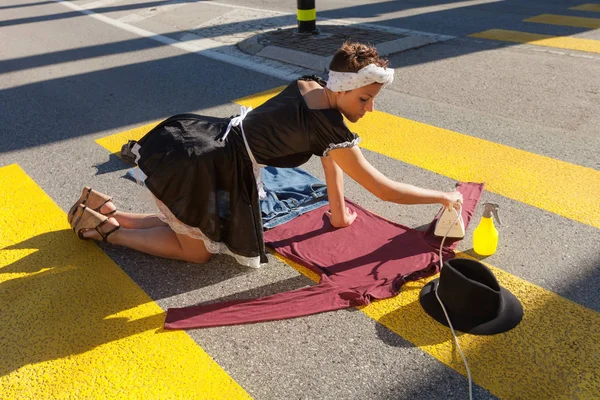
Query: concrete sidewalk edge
411	40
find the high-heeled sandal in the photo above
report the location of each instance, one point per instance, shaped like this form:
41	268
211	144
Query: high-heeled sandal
85	219
92	199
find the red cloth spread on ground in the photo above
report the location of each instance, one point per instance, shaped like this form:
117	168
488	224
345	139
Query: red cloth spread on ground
370	259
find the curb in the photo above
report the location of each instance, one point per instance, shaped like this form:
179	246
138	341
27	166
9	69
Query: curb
256	45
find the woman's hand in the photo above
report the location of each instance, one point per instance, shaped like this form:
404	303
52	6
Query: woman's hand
452	200
343	220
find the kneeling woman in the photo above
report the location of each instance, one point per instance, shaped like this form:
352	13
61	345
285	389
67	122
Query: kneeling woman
204	172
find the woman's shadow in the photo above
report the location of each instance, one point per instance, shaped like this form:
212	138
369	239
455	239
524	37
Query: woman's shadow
60	296
409	325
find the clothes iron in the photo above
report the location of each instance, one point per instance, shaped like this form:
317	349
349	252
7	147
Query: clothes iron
450	224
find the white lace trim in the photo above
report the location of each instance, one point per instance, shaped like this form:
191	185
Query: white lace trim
333	146
213	247
167	216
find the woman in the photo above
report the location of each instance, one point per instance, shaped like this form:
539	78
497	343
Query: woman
204	172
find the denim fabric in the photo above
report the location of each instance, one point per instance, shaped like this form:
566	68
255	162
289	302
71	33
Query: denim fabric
291	192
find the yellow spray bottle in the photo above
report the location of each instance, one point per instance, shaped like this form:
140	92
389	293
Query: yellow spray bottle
485	236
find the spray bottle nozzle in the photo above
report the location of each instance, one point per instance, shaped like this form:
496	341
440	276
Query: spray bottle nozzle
489	209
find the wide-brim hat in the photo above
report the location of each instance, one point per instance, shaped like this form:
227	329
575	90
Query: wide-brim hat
473	298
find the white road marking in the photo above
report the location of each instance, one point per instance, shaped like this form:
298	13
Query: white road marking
203	47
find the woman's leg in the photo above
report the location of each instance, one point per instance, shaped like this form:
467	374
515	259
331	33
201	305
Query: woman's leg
138	221
159	241
132	220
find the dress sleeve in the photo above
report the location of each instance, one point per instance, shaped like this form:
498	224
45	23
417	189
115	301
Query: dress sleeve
333	135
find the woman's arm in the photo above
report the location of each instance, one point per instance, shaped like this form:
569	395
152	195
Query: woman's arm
339	215
352	162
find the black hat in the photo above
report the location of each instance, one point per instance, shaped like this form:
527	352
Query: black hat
474	300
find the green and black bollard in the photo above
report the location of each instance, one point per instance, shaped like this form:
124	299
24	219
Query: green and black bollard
307	17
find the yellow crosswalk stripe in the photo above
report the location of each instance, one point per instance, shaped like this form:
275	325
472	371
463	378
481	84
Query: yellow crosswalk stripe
554	353
540	181
566	189
560	42
548	354
587	7
74	325
113	143
565	20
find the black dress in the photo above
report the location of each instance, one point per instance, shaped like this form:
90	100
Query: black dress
206	187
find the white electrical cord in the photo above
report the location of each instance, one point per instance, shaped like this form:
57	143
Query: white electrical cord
459	213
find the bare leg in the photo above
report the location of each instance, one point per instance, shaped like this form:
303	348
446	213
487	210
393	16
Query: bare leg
138	221
159	241
132	220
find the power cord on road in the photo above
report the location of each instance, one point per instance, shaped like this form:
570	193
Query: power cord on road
458	214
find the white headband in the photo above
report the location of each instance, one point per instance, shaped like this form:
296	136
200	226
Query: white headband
342	81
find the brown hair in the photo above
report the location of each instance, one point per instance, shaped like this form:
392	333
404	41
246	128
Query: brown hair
353	56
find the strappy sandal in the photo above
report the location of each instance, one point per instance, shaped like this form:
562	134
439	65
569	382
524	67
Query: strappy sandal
86	219
92	199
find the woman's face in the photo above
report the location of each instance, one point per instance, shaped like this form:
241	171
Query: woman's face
354	104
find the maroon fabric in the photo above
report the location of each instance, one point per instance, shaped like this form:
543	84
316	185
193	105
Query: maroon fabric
371	259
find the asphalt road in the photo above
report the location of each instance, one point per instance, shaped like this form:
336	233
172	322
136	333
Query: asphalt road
67	79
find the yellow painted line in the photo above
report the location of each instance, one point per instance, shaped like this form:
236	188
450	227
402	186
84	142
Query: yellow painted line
554	353
587	7
560	42
566	189
113	143
74	325
565	20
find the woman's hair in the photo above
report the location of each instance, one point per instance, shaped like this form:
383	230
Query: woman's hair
354	56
